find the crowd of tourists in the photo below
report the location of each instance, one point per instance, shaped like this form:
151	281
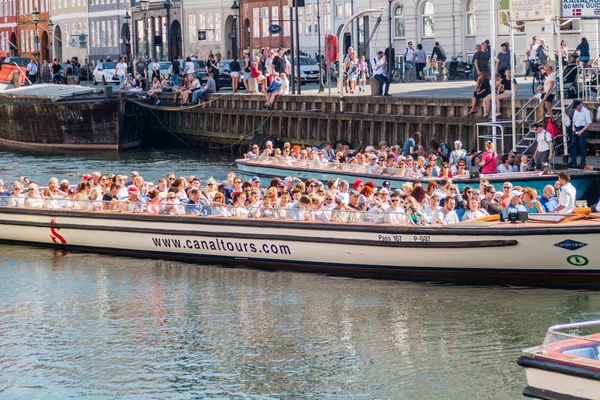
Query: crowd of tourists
419	202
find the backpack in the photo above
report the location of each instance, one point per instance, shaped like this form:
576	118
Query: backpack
553	128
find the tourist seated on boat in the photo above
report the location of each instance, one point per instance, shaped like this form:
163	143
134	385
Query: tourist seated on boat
547	200
514	206
4	194
238	206
489	159
254	151
531	202
446	215
567	194
475	164
17	199
109	199
34	197
431	205
194	205
153	205
504	167
172	205
414	213
474	211
133	203
490	203
504	199
524	162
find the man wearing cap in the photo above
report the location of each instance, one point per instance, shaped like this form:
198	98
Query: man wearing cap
133	203
132	176
514	206
567	196
582	120
255	181
544	150
4	195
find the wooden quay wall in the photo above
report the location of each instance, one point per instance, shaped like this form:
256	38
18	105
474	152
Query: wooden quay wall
234	119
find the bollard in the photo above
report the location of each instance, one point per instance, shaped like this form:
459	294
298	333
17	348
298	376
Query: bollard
252	85
108	92
375	86
15	79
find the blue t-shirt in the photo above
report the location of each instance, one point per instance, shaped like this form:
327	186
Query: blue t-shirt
4	196
192	208
410	142
584	50
549	205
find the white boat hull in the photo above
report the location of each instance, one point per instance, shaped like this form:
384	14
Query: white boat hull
554	385
465	253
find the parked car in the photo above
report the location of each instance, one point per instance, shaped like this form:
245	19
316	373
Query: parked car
164	68
224	78
309	70
21	61
105	73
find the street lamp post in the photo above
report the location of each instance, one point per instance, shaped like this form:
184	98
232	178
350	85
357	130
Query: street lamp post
320	63
145	4
51	31
235	7
167	6
36	19
127	40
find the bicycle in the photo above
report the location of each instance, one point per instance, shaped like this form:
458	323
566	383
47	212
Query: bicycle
436	74
397	74
538	76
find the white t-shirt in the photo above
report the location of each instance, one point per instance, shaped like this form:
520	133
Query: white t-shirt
122	69
543	139
582	118
409	55
447	219
190	67
533	51
567	198
550	78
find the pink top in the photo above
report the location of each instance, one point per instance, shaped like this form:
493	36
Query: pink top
490	161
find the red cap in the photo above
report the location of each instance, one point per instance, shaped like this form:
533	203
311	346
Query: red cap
87	177
132	189
356	184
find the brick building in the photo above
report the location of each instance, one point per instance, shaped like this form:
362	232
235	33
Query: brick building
255	18
26	38
8	28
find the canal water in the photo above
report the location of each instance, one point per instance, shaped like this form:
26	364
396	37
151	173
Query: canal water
83	325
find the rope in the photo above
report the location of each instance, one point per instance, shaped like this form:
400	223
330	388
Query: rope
174	108
168	130
245	136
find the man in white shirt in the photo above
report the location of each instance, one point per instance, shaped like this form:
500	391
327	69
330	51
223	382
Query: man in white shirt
543	152
549	85
567	196
379	74
446	215
121	71
582	120
409	59
32	70
531	53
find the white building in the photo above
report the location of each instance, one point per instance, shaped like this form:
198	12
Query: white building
70	18
209	27
457	24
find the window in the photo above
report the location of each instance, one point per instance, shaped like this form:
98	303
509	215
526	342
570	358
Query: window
256	22
264	14
103	34
93	36
570	25
309	19
301	23
471	20
109	35
192	28
327	18
22	39
202	21
347	9
210	32
275	16
338	10
428	19
287	28
399	31
217	27
504	24
115	33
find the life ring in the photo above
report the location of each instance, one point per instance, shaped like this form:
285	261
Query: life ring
331	48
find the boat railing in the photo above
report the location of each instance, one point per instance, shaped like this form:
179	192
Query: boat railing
344	167
572	331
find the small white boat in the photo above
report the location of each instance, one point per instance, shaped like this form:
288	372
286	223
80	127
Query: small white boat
566	366
533	253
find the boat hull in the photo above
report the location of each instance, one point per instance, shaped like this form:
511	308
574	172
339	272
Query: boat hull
550	380
467	254
582	180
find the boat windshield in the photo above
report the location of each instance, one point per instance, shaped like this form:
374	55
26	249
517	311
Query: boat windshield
580	340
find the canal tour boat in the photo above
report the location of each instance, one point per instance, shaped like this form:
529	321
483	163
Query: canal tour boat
566	366
269	167
549	250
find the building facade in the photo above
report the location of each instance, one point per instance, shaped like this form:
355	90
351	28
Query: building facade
70	20
157	32
109	30
255	18
32	43
211	27
8	28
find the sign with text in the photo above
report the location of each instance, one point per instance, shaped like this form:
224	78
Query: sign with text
531	10
587	9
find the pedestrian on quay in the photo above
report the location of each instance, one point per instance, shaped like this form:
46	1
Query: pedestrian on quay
531	54
409	60
121	71
46	74
235	74
583	49
32	70
77	70
503	59
379	74
56	71
420	62
175	71
543	52
481	60
247	66
363	73
581	122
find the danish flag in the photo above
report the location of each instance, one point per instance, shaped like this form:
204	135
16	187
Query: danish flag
577	12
